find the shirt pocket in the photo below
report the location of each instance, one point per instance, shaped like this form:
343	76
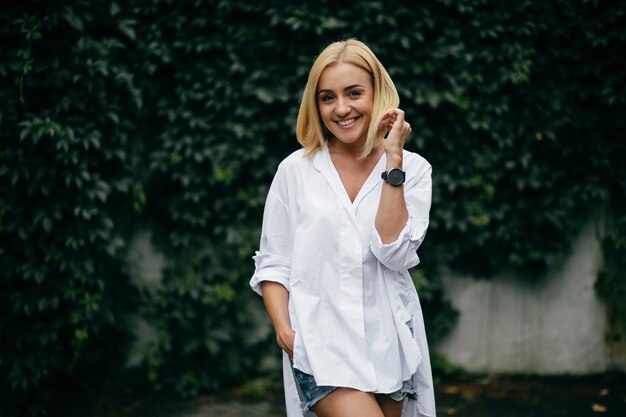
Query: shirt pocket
410	349
299	358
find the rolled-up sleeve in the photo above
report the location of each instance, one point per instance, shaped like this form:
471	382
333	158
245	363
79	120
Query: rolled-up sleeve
269	267
402	253
273	259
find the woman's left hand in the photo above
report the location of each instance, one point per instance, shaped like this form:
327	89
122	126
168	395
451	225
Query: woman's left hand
398	129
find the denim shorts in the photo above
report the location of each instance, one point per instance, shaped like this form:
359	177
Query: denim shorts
312	393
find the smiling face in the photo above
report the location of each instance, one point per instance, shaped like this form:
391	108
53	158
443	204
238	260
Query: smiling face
345	98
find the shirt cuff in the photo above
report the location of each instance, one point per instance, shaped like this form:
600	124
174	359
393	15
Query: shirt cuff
270	267
402	253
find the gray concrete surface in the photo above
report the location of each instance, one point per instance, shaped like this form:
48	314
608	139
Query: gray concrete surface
234	409
549	325
461	395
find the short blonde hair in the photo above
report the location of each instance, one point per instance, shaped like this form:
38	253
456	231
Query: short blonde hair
310	130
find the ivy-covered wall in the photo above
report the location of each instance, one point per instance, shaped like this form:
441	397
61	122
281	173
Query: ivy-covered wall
173	115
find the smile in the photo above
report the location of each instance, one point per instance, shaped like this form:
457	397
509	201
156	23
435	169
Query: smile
347	122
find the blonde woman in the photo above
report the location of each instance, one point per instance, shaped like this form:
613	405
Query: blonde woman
343	219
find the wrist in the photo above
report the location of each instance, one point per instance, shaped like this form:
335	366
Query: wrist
394	160
282	328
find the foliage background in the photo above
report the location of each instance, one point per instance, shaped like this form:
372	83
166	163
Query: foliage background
172	116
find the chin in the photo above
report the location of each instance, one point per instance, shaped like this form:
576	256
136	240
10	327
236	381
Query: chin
350	139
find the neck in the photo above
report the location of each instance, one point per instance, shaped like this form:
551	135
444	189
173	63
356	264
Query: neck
353	150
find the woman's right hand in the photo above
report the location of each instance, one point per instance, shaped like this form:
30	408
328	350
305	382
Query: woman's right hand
285	339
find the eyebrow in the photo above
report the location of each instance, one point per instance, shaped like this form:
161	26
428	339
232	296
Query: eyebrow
350	87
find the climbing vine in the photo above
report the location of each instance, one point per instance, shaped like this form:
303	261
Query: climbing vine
172	116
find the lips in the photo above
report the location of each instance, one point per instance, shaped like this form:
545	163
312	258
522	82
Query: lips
346	122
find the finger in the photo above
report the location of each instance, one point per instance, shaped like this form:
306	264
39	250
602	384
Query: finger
398	125
286	348
289	342
388	119
392	113
399	116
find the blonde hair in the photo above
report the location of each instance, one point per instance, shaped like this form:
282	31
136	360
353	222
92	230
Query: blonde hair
310	130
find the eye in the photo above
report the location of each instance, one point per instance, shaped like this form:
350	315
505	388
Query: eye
354	93
325	98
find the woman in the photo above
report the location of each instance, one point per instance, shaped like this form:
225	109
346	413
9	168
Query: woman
343	219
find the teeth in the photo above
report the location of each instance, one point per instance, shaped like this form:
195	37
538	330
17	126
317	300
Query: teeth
346	122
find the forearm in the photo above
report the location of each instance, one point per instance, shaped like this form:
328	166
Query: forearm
392	213
276	299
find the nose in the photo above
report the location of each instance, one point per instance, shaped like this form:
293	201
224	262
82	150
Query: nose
343	107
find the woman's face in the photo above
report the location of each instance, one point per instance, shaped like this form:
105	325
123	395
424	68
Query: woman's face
345	98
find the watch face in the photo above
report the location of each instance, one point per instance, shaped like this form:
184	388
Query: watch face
395	177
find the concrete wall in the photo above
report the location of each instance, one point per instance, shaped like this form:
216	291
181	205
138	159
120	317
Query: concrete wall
507	325
556	325
145	265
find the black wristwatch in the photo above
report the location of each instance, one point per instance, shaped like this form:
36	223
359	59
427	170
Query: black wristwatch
395	177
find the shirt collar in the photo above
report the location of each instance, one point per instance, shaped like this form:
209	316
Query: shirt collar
324	164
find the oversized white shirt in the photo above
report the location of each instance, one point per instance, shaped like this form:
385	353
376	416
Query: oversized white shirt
352	303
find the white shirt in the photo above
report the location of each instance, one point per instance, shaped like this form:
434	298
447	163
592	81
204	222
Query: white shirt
352	303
